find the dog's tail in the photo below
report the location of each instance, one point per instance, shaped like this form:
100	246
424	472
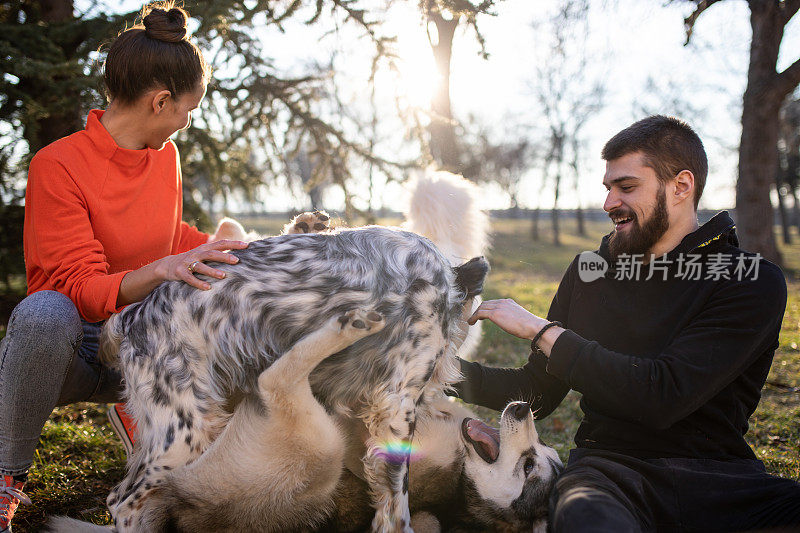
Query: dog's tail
444	208
62	524
110	339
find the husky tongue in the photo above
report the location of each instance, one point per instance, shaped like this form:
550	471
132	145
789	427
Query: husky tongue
487	437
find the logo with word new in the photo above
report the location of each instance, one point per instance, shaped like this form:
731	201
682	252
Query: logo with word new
591	266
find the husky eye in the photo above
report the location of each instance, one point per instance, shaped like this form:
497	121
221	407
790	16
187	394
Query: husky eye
528	466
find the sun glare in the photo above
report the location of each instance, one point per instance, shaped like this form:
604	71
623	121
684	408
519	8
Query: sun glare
416	79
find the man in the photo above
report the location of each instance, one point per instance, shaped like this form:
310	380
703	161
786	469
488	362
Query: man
670	349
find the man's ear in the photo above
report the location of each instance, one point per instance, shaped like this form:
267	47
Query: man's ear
684	187
159	100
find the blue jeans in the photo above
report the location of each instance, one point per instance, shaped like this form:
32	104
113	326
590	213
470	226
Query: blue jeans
47	359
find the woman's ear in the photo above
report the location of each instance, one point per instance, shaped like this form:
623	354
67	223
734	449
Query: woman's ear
159	100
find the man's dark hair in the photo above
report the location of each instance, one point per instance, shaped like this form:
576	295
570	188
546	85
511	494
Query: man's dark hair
669	146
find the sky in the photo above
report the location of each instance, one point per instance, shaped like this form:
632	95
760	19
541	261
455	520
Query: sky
629	42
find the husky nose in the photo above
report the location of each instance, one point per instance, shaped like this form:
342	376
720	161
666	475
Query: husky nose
520	410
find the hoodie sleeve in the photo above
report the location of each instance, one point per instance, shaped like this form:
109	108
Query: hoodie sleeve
740	322
496	387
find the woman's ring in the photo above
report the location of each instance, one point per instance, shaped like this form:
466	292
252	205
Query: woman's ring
192	265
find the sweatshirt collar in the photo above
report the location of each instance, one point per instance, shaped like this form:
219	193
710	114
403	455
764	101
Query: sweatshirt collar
718	231
107	146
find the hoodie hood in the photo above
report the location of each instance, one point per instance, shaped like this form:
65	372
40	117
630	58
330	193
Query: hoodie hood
715	234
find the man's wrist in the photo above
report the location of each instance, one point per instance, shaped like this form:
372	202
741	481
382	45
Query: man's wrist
546	336
536	327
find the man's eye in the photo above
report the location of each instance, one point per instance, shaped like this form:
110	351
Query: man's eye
627	188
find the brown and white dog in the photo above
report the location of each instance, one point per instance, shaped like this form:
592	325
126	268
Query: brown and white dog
466	476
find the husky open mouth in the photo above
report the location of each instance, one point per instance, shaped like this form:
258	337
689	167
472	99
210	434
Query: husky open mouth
485	440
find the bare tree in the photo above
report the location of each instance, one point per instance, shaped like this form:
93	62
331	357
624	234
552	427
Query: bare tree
503	163
567	99
765	92
442	17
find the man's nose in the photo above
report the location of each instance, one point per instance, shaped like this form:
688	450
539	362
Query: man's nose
612	202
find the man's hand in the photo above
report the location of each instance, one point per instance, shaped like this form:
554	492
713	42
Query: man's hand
510	316
518	321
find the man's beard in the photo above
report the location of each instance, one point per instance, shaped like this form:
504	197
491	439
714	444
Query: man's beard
640	238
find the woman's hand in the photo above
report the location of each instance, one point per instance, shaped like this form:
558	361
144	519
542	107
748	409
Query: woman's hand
185	266
137	284
510	316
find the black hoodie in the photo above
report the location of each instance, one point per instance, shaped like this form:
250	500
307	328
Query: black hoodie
667	368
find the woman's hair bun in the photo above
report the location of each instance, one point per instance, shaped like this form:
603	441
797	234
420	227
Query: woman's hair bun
166	25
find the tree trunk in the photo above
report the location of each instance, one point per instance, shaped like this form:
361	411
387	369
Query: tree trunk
796	209
581	221
758	152
535	225
64	115
315	196
444	147
784	215
555	213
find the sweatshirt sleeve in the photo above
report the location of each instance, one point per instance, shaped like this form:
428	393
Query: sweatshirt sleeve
496	387
190	237
58	232
740	322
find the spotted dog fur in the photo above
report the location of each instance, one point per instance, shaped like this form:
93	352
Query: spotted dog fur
185	353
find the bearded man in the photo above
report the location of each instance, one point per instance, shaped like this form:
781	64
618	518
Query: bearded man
670	348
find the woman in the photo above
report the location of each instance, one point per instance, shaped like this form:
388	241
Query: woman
102	229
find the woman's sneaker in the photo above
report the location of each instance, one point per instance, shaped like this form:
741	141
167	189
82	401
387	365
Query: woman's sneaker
10	497
123	425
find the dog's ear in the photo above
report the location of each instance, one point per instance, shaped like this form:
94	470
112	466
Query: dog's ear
470	276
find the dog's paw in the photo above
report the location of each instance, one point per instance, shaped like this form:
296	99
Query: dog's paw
309	222
360	323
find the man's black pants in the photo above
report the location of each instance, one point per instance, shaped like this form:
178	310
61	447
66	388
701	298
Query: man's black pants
606	491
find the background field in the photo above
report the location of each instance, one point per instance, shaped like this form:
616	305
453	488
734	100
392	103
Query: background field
79	459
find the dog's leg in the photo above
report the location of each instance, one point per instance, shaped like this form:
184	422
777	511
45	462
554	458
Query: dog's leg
176	423
283	457
309	222
287	378
172	439
391	419
386	463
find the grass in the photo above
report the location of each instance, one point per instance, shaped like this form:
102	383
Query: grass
79	459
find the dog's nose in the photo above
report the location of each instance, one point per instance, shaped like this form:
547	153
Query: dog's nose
520	410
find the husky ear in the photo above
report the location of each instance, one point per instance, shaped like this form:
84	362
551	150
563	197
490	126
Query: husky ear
470	276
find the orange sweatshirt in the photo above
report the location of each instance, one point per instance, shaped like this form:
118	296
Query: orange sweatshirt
95	211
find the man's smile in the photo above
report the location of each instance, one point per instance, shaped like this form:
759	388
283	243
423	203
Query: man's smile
621	221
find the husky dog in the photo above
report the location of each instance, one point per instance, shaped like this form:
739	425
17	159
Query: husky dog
186	353
467	476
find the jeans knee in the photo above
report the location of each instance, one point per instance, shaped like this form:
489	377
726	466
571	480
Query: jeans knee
46	317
